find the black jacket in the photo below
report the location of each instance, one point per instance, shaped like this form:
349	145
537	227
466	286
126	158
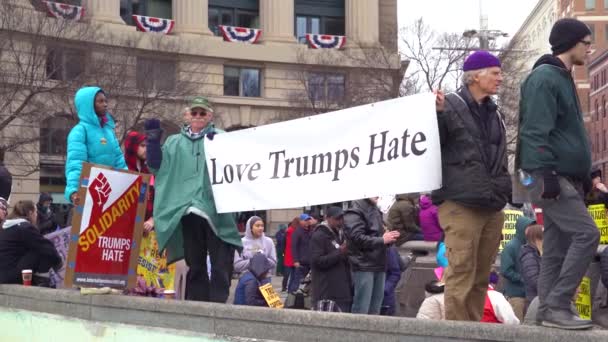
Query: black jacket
19	238
46	222
604	267
330	269
6	182
530	269
364	229
300	245
473	153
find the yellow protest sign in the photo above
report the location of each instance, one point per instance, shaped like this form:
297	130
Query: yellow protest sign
272	298
583	300
598	213
508	230
152	265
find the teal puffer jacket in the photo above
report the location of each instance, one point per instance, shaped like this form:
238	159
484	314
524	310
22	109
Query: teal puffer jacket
89	142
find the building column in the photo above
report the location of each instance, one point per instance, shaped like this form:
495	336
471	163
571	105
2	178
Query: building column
107	11
277	20
362	22
191	17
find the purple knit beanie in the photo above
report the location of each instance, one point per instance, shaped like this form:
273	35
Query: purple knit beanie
480	60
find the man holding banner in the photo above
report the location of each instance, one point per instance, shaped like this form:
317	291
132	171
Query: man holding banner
476	184
186	219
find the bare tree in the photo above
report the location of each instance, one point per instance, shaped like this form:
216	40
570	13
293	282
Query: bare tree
375	74
436	58
30	77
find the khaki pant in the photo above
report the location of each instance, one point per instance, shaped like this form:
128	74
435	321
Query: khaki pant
519	306
472	237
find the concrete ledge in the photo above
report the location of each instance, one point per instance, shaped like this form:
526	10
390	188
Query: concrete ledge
263	323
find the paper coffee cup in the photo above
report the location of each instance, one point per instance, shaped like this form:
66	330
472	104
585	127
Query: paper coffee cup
169	294
26	275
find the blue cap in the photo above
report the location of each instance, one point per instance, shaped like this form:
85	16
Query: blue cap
305	217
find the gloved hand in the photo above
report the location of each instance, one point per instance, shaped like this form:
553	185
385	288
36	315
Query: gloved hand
551	188
211	134
153	130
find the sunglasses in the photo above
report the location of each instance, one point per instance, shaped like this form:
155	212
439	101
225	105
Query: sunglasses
199	113
586	42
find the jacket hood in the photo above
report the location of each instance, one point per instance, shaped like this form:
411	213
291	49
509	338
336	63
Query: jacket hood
259	265
250	222
520	228
131	145
550	60
425	202
45	196
13	223
85	106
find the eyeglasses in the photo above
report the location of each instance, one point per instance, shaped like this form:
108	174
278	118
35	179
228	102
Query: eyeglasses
586	42
199	113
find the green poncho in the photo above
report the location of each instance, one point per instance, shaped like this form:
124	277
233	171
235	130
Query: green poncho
183	182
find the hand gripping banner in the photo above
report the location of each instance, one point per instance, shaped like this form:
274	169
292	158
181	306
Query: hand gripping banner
240	34
152	24
325	41
64	11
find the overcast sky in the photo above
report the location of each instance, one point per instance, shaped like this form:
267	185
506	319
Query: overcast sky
460	15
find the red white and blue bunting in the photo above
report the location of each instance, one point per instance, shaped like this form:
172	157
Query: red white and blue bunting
64	11
152	24
325	41
240	34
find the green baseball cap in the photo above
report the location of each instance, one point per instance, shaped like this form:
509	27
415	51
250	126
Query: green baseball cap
201	102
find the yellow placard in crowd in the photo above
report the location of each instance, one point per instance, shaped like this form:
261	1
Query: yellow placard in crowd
583	300
508	230
272	298
598	213
152	265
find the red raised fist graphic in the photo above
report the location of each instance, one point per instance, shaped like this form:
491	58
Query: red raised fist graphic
100	191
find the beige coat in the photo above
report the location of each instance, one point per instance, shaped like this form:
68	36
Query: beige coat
433	308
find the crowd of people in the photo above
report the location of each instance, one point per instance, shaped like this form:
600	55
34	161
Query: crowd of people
350	257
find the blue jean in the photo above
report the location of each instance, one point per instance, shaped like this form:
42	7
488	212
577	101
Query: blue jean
297	275
369	292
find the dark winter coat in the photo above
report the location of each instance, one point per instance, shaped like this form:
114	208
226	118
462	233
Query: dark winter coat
473	153
23	247
364	229
46	223
248	289
552	131
510	267
393	275
300	245
403	217
604	267
530	269
6	182
331	277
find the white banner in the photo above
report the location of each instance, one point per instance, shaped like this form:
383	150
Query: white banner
388	147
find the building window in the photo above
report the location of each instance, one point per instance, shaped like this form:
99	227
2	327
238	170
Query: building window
597	110
319	17
151	8
603	106
242	82
605	4
63	64
589	5
53	133
155	74
604	141
243	13
592	28
324	87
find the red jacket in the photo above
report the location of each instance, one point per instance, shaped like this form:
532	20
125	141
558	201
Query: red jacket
288	260
489	316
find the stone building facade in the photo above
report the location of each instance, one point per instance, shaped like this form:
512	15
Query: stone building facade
248	84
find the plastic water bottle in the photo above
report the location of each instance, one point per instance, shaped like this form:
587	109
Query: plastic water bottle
525	179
